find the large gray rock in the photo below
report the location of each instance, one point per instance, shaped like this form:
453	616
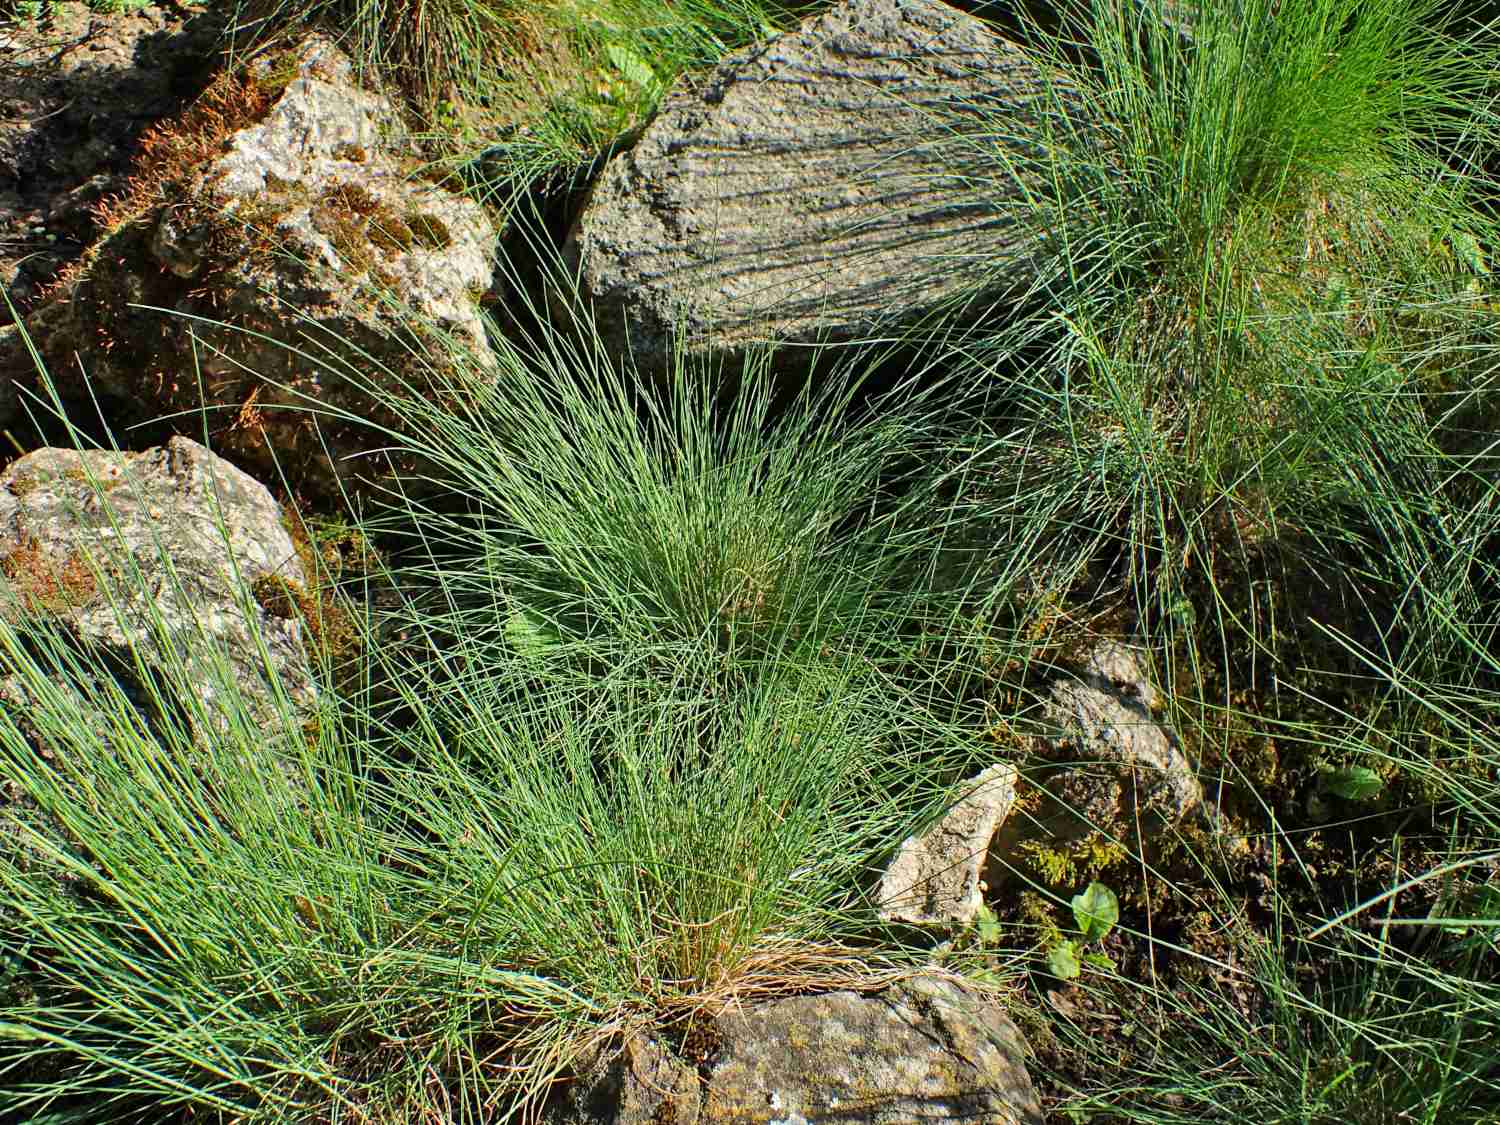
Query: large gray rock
814	187
134	556
282	221
934	878
927	1049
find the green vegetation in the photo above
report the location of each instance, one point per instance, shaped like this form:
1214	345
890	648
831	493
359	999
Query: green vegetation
659	674
509	94
40	11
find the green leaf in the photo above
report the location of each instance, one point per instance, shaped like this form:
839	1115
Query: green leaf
637	71
1062	960
1096	910
1466	247
1354	783
987	926
530	635
1100	961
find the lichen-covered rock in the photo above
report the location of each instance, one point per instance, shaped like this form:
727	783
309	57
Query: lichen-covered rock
925	1049
77	89
1107	768
934	878
280	225
817	186
135	556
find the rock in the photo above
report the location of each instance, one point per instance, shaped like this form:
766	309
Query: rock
926	1049
642	1083
280	220
934	878
811	188
1108	767
76	92
67	548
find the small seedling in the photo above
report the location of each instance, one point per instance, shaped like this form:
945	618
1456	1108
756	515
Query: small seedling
1352	783
987	927
1095	912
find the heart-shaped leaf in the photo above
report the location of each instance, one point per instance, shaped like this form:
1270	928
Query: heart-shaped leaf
987	926
1096	910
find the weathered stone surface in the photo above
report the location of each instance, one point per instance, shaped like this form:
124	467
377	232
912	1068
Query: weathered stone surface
813	188
926	1049
1108	766
295	218
76	91
934	877
73	526
640	1084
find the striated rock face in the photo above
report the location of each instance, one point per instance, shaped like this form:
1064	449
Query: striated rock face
926	1049
934	877
73	527
812	188
279	210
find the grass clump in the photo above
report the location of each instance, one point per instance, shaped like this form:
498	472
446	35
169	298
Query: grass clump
280	940
630	742
1260	387
1254	427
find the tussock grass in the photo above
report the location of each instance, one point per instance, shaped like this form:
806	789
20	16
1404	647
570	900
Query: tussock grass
1255	427
1265	365
649	711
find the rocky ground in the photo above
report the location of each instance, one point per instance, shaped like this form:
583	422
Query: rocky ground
202	249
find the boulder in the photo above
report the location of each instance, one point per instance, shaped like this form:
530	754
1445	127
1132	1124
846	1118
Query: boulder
276	237
821	186
135	556
926	1049
1107	767
934	878
77	90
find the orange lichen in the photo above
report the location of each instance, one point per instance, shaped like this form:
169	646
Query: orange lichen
43	585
